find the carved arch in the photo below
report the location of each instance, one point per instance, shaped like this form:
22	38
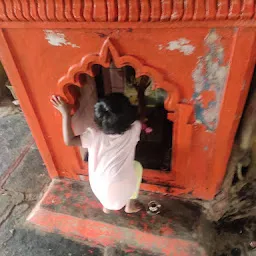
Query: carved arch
107	53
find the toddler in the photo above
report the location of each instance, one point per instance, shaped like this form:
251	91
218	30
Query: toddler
113	174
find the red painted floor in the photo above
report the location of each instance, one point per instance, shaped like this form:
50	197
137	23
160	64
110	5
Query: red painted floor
70	208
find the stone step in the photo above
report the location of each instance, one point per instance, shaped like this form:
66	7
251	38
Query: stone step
70	208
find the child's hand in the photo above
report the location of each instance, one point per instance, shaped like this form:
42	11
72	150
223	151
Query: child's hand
60	105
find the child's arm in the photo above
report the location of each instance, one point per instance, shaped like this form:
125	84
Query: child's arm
141	88
141	105
68	135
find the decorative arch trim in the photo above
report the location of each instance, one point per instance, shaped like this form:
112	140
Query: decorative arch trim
107	54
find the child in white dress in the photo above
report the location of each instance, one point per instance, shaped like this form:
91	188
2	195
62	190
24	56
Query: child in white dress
113	174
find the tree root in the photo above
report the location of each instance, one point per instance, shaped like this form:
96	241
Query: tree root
237	196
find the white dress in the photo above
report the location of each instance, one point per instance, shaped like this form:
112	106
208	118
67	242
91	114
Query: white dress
111	165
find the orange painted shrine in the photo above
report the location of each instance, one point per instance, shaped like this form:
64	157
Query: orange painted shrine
202	53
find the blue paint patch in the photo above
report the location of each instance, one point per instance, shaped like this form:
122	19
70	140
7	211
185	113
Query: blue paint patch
210	76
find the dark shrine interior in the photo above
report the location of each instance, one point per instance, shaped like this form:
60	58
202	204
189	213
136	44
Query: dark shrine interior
154	150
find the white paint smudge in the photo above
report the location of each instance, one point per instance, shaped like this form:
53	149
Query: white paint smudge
160	47
182	45
57	38
210	77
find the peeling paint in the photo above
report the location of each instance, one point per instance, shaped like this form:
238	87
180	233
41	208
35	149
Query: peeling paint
57	38
209	79
101	35
160	47
244	85
182	45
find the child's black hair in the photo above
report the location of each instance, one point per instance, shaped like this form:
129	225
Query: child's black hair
114	114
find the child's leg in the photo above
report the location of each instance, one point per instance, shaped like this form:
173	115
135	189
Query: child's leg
138	171
132	206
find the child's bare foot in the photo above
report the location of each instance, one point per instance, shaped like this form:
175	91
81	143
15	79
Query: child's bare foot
105	210
132	206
